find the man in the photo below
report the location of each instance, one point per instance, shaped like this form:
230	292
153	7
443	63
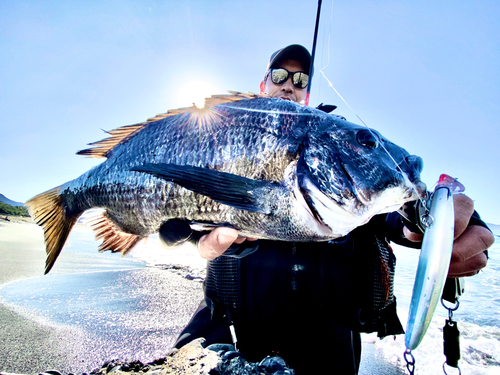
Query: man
307	302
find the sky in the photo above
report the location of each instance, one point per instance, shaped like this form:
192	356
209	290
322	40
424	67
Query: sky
426	74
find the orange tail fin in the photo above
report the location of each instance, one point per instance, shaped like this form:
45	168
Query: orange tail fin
46	209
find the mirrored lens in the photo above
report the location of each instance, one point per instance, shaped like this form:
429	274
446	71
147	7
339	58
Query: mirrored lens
300	80
279	76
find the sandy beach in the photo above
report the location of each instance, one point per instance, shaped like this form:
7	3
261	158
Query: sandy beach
154	304
31	344
94	307
26	346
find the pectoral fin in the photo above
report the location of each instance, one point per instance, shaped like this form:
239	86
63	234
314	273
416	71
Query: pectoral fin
232	190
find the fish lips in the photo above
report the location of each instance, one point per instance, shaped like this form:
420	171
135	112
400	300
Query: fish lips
412	166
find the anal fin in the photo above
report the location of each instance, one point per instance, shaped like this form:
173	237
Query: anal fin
113	238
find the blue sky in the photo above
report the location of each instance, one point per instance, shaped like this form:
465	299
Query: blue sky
426	74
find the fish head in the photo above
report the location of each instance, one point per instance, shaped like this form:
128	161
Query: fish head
351	173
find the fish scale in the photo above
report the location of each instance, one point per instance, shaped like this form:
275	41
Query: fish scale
271	168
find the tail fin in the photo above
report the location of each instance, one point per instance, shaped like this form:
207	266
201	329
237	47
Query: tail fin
47	210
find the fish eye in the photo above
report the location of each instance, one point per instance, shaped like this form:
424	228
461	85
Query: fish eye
367	138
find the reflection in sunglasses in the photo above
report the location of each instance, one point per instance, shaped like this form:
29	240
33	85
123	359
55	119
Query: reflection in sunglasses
280	76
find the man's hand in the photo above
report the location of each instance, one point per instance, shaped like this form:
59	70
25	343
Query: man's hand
215	243
470	242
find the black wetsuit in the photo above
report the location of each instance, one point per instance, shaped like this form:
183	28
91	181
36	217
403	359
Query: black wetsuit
296	299
306	302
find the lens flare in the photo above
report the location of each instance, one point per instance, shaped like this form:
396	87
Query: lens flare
194	92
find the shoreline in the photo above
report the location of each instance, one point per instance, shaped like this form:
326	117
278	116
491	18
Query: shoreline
79	336
30	345
143	308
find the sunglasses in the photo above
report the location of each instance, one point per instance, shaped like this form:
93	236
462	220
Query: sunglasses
280	76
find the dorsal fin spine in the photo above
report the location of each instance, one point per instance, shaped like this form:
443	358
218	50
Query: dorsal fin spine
102	148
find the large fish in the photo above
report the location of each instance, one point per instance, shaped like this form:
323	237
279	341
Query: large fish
270	168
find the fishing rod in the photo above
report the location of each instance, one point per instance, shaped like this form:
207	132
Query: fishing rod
313	52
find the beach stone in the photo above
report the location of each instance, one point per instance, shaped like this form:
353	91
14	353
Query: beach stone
194	359
221	348
273	364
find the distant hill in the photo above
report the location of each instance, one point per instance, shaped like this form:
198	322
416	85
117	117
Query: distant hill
7	209
10	207
6	200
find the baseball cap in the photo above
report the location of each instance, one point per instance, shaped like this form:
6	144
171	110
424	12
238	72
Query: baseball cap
291	52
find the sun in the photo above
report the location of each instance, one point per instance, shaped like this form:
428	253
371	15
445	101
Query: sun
195	92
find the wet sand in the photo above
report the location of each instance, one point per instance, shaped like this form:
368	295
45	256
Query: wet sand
152	306
31	345
26	346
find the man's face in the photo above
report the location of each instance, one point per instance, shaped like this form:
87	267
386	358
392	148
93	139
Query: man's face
287	90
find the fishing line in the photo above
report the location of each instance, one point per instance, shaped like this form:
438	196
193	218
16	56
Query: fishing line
323	48
346	103
451	345
353	111
369	129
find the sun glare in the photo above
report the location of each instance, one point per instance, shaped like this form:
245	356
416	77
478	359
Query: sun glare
195	92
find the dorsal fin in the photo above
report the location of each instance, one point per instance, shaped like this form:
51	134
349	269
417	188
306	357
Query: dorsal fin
102	148
112	237
234	97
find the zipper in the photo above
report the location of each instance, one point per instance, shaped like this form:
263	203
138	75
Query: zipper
295	266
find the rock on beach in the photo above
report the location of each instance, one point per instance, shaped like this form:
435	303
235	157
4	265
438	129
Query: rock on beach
193	359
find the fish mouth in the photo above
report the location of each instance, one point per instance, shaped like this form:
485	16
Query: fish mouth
356	204
413	188
417	189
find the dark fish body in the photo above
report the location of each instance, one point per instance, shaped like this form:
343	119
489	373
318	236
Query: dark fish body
270	168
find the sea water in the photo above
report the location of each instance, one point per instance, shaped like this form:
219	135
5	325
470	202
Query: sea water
477	318
80	255
100	300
